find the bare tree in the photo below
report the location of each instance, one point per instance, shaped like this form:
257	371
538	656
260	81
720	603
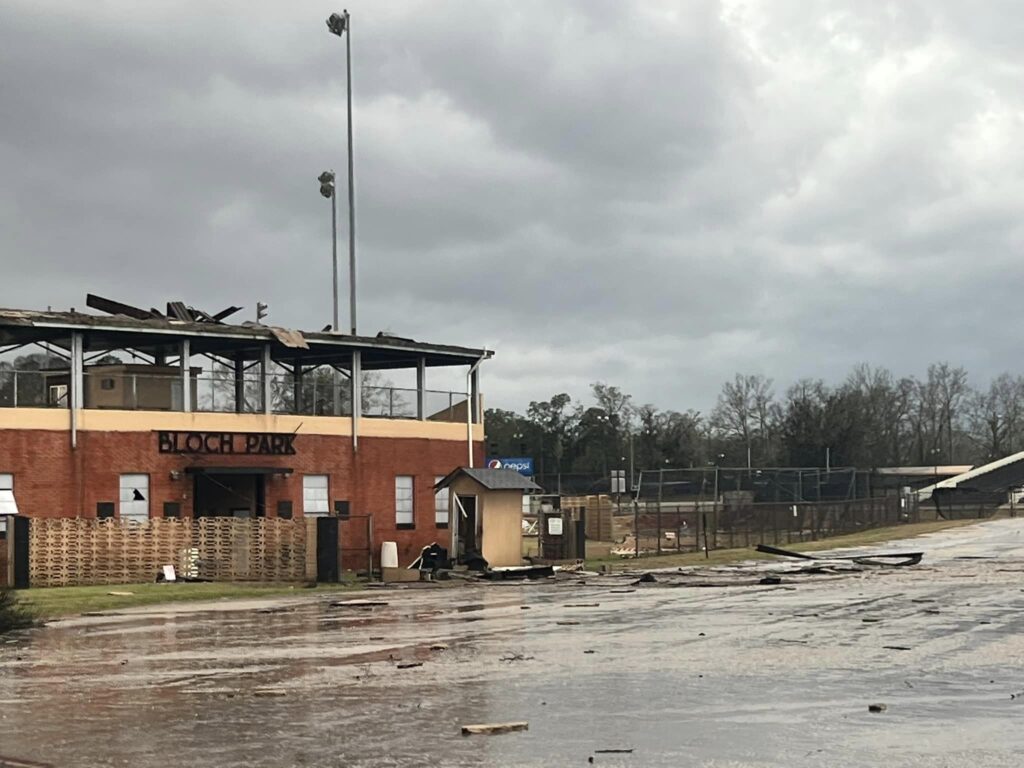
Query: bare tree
745	411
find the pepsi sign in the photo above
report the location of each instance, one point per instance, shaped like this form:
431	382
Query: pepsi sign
522	465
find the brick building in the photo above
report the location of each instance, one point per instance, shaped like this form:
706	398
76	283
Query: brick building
141	414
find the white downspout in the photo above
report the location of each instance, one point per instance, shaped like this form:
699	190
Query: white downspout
471	404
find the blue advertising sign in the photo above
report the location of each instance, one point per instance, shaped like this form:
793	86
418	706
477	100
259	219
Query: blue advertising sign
522	465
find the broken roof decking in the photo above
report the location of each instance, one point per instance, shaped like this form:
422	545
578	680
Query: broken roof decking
163	335
999	475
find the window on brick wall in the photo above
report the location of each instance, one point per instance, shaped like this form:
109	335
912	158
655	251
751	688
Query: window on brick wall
8	506
134	498
404	501
440	505
315	496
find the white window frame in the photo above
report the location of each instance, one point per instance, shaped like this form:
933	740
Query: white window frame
7	484
316	495
442	499
128	508
405	504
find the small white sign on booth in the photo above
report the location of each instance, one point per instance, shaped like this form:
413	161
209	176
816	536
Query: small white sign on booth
554	526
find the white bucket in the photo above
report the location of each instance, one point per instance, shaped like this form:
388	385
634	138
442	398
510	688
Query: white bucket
389	555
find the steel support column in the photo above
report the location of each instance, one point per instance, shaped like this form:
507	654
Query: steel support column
185	363
421	389
265	367
76	395
357	396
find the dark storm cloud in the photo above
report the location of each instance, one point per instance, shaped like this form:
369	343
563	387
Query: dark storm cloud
654	194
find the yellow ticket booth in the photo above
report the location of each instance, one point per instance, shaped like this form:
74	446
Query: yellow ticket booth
486	510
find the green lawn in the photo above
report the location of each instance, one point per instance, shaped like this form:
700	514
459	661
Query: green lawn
722	556
54	602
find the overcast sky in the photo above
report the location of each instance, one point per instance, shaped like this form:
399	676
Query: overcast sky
652	194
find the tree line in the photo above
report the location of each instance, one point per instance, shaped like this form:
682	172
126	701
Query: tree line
873	418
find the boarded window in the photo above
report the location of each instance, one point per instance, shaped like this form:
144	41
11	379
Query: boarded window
135	498
441	503
403	500
314	495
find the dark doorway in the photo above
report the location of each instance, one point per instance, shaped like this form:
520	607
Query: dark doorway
327	565
229	495
21	562
466	511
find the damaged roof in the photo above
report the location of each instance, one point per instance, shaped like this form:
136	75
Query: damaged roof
116	330
491	479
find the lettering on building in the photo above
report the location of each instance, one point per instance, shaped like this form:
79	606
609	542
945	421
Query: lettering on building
227	443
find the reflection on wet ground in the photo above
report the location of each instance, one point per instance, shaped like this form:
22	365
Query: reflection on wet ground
741	675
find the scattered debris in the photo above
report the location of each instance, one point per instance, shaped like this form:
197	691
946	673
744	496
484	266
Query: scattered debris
358	603
519	572
567	623
871	620
524	607
582	605
408	664
511	657
897	647
771	580
120	593
877	707
613	751
621	591
882	559
265	693
439	647
377	637
590	650
487	728
647	578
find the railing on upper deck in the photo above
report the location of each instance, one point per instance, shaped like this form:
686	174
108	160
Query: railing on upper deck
222	393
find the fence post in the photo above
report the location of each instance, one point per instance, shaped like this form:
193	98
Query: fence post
658	518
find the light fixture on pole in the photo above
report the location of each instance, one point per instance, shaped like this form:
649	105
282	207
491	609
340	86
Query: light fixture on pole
337	24
326	180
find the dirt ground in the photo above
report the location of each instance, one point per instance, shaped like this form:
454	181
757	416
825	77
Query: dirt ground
708	667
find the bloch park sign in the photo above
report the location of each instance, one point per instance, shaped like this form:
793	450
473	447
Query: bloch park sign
227	443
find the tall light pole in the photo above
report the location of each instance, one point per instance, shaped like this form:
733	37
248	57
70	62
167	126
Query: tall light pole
326	180
338	24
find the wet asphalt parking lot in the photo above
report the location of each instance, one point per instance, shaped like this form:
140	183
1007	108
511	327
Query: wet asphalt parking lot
734	674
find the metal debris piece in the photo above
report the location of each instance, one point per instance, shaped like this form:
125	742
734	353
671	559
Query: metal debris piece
409	664
877	707
883	559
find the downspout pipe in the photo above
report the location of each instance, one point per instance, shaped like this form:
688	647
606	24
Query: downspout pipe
471	404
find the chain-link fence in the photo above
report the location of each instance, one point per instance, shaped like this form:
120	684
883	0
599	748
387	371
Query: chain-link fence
696	526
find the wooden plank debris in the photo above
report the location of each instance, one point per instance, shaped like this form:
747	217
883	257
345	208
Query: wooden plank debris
491	728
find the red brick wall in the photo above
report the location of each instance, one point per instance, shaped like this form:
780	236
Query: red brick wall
51	480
